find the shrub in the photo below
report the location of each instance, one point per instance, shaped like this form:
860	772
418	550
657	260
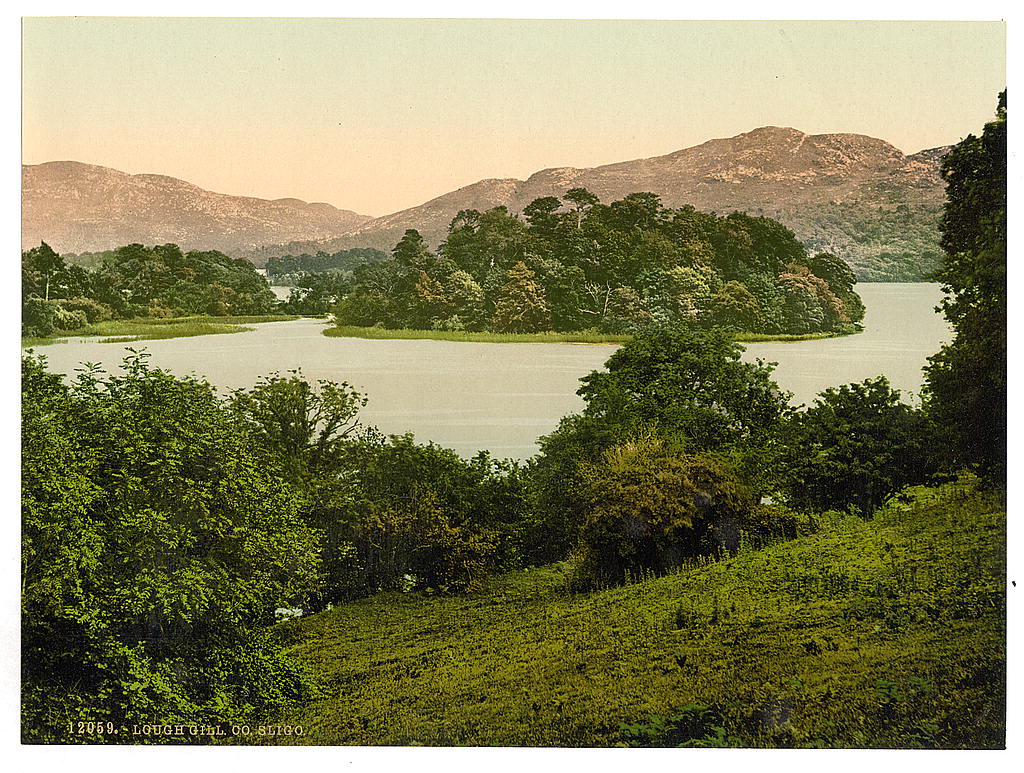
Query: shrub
422	510
158	538
94	310
856	446
38	317
68	320
650	507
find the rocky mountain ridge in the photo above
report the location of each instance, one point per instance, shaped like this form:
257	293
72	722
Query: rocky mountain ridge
772	171
77	207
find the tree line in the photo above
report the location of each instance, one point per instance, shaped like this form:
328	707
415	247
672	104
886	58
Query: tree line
136	281
287	269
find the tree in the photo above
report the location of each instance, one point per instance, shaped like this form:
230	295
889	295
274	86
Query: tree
541	216
686	385
521	305
626	312
687	382
582	200
305	425
412	252
44	263
809	305
840	280
856	446
966	380
735	308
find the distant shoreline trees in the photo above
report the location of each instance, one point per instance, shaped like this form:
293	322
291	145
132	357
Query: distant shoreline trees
137	281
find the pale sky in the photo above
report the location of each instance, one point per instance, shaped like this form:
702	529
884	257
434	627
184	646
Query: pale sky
380	115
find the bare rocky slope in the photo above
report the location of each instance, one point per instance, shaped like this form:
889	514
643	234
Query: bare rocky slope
854	195
77	207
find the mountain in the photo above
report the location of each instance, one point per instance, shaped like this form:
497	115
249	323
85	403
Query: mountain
77	207
854	195
850	194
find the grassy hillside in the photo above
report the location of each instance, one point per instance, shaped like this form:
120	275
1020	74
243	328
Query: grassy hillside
881	633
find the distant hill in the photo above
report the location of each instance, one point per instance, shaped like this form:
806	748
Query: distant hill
850	194
854	195
77	207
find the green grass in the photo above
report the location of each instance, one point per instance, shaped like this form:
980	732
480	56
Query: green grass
882	633
583	337
148	328
751	338
30	342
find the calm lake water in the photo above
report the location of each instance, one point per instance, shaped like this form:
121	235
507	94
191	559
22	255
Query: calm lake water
501	397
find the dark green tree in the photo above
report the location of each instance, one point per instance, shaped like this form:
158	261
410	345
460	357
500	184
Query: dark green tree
966	380
412	252
856	446
685	385
521	306
689	383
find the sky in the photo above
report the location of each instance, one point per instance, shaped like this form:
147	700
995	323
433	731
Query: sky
379	115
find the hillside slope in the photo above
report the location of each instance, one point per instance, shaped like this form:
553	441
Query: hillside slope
77	207
881	633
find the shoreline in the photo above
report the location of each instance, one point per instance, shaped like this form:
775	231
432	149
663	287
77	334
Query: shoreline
462	336
150	328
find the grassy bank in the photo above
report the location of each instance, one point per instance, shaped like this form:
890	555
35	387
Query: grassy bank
583	337
881	633
148	328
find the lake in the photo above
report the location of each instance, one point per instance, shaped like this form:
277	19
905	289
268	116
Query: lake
501	397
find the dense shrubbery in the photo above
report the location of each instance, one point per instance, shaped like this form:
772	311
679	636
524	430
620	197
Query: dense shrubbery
163	525
648	507
395	514
577	264
679	401
158	538
856	446
136	281
423	517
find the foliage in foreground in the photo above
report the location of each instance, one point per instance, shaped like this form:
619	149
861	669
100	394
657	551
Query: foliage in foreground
854	447
687	387
887	632
966	380
158	538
